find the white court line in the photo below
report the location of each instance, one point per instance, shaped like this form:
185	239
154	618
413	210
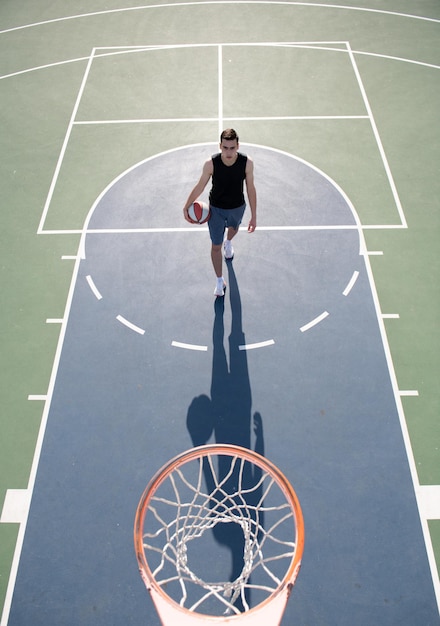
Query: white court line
124	321
393	58
220	104
221	121
390	316
225	2
118	50
383	226
267	118
147	120
253	346
377	137
54	320
314	321
220	88
16	506
64	146
351	283
356	52
428	498
398	394
58	231
189	346
199	229
38	448
93	287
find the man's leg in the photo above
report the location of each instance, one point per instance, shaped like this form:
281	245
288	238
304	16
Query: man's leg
216	256
228	249
231	233
233	224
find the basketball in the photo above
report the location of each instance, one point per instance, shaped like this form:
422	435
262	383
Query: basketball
199	212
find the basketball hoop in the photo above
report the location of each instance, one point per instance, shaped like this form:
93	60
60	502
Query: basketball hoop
241	502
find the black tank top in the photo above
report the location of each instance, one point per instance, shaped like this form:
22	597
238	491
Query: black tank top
227	182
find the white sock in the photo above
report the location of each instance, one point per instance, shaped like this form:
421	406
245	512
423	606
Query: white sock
220	281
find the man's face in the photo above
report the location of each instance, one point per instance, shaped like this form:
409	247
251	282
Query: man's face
229	148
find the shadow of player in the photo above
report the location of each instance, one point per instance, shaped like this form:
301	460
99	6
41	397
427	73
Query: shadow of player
227	416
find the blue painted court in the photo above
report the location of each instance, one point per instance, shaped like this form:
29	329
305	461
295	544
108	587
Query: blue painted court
291	362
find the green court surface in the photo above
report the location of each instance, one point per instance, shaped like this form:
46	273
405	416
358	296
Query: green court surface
89	90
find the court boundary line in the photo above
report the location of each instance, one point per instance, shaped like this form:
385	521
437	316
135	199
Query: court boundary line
378	139
64	145
220	47
221	2
47	399
176	120
355	52
189	229
397	393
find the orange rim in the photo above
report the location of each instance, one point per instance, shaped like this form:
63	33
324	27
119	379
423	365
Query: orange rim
227	450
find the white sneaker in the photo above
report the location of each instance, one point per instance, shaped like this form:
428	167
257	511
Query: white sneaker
219	290
229	250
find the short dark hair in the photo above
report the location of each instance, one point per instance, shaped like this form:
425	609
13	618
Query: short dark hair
229	134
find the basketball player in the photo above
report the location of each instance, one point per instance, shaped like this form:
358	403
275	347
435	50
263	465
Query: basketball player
228	170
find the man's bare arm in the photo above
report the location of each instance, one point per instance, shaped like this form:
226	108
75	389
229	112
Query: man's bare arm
252	195
198	189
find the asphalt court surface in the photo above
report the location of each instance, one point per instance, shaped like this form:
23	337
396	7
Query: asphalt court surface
292	362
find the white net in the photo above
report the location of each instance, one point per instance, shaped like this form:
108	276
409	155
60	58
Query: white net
220	533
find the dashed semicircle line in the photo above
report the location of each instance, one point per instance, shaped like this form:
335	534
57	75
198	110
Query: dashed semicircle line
260	344
250	346
189	346
130	325
93	287
315	321
247	346
325	314
351	283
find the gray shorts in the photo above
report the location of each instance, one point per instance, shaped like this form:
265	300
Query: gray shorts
221	219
